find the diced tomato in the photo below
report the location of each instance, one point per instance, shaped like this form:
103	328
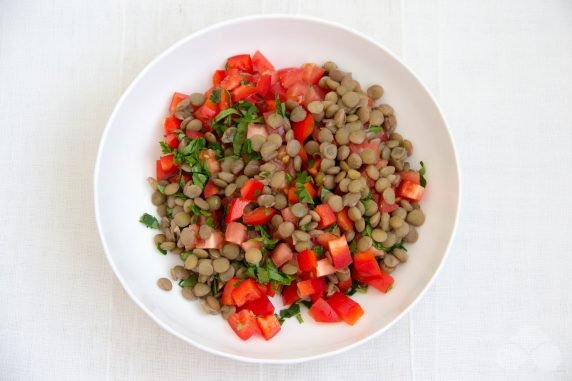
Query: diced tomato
251	244
290	294
210	156
383	282
218	76
261	306
312	286
313	93
289	76
311	73
304	128
410	191
277	88
241	92
344	221
235	233
307	260
231	80
313	165
345	285
281	254
288	216
171	124
160	174
210	189
258	216
215	241
271	288
297	92
251	189
226	297
303	155
269	326
340	252
194	134
270	104
246	291
256	129
207	111
322	312
241	62
384	207
293	197
236	209
324	267
358	148
412	176
261	64
324	239
243	323
172	141
225	100
167	162
327	216
177	97
263	85
346	308
366	266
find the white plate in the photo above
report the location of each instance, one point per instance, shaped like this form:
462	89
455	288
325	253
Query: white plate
129	148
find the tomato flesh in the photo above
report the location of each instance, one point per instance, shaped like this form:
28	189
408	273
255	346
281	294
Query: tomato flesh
246	291
347	309
303	129
236	209
410	191
269	326
340	252
307	260
261	306
177	97
311	286
235	233
261	64
322	312
243	323
251	189
258	216
327	216
240	62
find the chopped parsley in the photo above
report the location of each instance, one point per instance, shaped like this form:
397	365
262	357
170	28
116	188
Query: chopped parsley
357	287
162	251
331	228
165	148
319	250
149	221
423	180
265	238
268	272
292	311
375	128
215	96
280	107
191	281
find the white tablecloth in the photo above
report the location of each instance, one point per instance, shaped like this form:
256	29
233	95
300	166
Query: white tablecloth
500	309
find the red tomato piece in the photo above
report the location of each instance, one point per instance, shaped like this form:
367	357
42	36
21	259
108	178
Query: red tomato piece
313	93
366	266
288	216
322	312
383	282
311	73
167	162
236	209
263	85
327	216
289	76
194	134
226	297
242	91
410	191
344	221
324	239
412	176
271	288
218	76
207	111
269	326
297	92
340	252
324	267
210	189
251	189
313	165
258	216
281	254
261	64
307	260
312	286
231	80
170	124
215	241
346	308
177	97
210	156
345	285
290	294
246	291
224	101
172	141
160	174
384	207
250	244
303	129
277	88
241	62
293	197
235	233
261	306
243	323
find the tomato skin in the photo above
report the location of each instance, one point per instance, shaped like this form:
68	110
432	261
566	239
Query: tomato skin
412	176
261	306
383	282
177	97
366	266
251	189
297	92
235	233
226	297
245	292
269	326
261	64
303	129
344	221
346	308
210	189
324	267
340	252
293	197
290	294
225	100
290	76
263	85
387	208
249	244
218	76
311	73
170	124
243	323
194	134
160	174
313	165
307	260
240	62
410	191
322	312
277	88
327	216
258	216
206	112
236	209
172	141
231	81
323	239
281	254
167	162
345	285
311	286
215	241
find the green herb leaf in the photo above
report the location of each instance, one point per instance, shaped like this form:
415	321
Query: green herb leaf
375	128
165	148
239	326
325	193
299	318
184	255
200	179
149	221
357	287
239	138
303	178
331	228
353	246
161	188
280	107
265	237
367	231
215	96
306	303
262	275
423	180
265	174
319	250
193	147
191	281
289	312
162	251
303	194
224	113
199	212
210	222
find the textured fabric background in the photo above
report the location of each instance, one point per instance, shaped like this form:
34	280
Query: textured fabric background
500	309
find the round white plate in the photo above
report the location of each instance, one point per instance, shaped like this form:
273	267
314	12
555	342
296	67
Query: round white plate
129	148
